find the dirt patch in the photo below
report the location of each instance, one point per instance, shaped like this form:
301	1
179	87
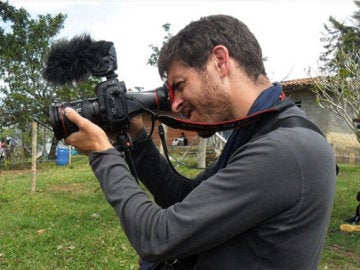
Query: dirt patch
14	172
346	252
68	187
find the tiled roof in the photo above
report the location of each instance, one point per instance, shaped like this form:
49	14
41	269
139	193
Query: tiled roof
297	84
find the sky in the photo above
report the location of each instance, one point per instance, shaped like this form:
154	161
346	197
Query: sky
289	31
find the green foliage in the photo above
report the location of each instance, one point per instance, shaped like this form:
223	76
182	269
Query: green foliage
337	87
153	59
24	45
24	94
340	41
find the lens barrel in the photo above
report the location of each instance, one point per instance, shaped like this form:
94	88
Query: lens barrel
62	126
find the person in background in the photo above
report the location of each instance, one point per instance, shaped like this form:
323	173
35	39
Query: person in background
264	204
10	146
180	141
184	139
2	149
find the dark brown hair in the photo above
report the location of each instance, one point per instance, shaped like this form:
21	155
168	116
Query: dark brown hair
193	45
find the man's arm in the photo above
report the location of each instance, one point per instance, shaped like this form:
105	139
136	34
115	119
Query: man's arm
167	186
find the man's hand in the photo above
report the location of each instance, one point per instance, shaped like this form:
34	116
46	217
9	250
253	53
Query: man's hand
136	126
89	138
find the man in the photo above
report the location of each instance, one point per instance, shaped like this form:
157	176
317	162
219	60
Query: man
180	141
265	204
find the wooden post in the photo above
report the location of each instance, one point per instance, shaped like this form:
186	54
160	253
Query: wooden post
34	156
161	148
202	153
70	149
44	144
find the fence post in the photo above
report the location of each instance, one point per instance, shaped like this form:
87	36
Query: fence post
161	148
34	151
70	150
202	153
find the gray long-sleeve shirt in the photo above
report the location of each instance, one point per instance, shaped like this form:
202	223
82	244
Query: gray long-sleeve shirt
269	208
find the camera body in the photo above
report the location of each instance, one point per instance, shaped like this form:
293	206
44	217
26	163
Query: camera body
108	110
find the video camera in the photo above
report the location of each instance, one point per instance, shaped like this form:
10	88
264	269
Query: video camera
112	107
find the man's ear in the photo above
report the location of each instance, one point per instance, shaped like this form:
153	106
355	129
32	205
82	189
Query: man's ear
222	59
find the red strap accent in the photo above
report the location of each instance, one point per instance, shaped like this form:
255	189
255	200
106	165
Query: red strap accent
171	93
184	124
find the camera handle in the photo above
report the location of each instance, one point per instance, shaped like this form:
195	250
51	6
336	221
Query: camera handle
124	144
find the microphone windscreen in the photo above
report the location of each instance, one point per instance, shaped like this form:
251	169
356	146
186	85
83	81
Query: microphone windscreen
71	61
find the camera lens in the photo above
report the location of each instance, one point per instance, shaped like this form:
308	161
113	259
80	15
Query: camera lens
62	126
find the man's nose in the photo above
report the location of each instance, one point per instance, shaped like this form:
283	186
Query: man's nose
177	104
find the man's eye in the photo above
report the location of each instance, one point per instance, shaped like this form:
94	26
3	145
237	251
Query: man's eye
178	86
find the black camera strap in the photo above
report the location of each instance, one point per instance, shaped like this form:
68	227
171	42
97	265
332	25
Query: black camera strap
289	122
183	124
179	123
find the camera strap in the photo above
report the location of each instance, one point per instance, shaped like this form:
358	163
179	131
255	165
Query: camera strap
184	124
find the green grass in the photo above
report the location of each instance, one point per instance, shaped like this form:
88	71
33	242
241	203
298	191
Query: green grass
67	224
342	250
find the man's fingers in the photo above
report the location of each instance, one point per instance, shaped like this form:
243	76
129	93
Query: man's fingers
72	115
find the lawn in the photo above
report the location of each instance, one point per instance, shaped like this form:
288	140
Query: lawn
67	224
342	250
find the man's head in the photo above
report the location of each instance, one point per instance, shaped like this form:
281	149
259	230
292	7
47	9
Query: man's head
214	67
193	45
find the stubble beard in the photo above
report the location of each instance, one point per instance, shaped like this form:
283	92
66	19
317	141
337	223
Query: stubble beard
215	105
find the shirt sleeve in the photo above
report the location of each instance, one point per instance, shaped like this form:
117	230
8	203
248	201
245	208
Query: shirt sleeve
166	185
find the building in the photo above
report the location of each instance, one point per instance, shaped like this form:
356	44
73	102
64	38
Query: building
338	133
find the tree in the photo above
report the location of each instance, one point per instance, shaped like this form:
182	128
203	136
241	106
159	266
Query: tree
153	59
338	86
340	41
25	43
342	95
